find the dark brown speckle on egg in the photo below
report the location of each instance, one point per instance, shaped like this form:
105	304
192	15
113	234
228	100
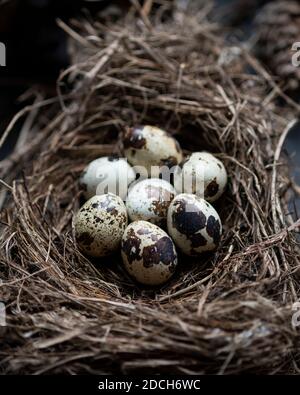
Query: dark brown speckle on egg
167	251
212	188
131	246
213	228
134	138
160	251
187	218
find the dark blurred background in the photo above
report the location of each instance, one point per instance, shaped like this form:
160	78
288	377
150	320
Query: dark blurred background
37	48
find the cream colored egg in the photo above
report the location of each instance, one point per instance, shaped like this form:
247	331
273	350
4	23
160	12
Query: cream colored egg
100	224
149	200
193	224
148	253
202	174
149	146
108	174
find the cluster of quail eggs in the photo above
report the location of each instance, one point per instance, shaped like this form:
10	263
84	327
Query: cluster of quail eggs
158	218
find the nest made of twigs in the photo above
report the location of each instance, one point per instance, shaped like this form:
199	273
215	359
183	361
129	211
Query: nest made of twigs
229	312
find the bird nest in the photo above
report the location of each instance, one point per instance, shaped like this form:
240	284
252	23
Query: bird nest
228	312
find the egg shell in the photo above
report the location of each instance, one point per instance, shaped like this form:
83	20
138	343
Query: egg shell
148	253
193	224
149	200
202	174
107	174
100	224
150	146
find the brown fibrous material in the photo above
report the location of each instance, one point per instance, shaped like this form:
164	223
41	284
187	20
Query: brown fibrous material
229	312
277	31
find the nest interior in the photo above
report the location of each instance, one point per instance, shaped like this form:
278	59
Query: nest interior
229	312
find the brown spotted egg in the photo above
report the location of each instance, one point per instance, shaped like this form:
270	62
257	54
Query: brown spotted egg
107	174
148	253
202	174
150	146
193	224
149	200
100	224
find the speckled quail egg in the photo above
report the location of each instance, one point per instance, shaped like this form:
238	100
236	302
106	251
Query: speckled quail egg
148	253
107	174
202	174
193	224
149	200
100	224
150	146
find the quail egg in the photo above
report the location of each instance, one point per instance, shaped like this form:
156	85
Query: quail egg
100	224
193	224
107	174
202	174
148	253
149	200
149	146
